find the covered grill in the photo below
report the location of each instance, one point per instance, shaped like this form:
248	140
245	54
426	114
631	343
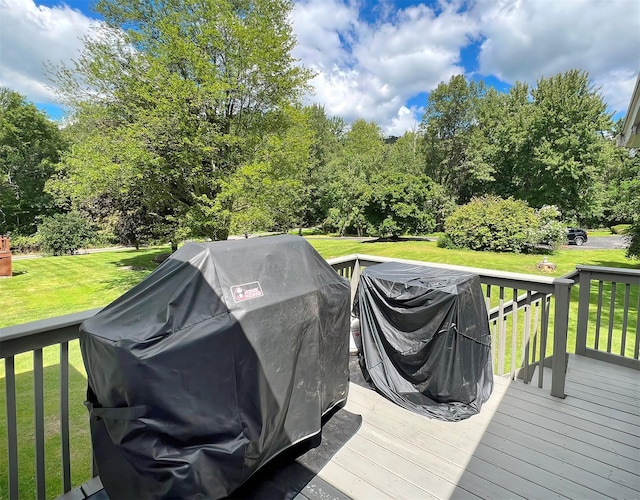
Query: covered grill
426	343
226	355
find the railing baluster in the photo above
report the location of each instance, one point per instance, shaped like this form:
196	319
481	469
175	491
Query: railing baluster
636	350
12	425
625	319
64	416
536	329
560	324
596	341
546	302
612	314
584	302
501	333
38	385
527	335
355	278
514	333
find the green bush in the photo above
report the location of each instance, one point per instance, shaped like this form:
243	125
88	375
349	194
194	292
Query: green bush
633	240
550	230
495	224
24	244
444	241
64	233
620	229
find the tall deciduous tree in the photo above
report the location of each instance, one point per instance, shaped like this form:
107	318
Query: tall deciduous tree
568	144
30	145
550	144
350	174
272	192
176	96
449	126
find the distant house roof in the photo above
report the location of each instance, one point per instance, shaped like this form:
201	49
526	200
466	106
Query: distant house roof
630	137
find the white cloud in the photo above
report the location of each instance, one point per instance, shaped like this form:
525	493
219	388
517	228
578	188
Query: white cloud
616	87
32	36
404	121
526	40
370	70
369	65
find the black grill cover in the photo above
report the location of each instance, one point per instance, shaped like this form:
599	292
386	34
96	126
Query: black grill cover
426	343
226	355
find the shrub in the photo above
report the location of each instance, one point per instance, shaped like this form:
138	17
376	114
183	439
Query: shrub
64	233
493	223
633	240
444	241
550	230
24	244
620	229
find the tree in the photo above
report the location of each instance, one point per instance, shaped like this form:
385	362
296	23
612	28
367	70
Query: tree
621	185
30	145
349	175
406	154
503	139
449	127
327	138
622	194
569	120
399	204
271	193
175	97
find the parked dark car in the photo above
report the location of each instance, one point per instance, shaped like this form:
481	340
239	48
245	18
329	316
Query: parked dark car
576	236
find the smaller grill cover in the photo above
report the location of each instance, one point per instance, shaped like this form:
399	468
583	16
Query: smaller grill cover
226	355
426	339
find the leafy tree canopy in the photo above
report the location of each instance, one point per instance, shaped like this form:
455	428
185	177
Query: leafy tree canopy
30	145
549	144
449	127
173	98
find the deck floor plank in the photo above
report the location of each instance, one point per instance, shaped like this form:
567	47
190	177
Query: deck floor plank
574	406
349	483
524	443
427	456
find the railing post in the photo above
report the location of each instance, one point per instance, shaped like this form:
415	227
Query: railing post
355	278
583	311
560	328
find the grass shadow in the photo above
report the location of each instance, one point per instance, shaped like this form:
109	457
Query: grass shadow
146	261
627	265
134	267
399	239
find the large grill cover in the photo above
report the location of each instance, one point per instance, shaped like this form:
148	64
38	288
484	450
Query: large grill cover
426	343
226	355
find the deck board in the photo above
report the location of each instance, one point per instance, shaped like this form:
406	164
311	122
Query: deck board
524	443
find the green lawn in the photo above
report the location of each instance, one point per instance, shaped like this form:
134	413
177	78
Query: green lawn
52	286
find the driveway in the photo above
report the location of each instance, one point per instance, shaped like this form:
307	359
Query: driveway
612	242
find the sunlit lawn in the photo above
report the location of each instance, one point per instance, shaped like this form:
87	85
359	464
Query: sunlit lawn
53	286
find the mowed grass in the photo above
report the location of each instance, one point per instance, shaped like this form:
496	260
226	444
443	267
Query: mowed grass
53	286
42	288
565	259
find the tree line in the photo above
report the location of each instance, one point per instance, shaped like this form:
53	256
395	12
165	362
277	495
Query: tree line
186	120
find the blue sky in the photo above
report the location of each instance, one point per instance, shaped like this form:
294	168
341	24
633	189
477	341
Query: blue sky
378	60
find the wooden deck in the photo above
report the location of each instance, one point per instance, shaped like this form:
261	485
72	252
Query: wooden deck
524	443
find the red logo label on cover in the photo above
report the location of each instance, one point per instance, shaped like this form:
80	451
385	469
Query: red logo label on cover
247	291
